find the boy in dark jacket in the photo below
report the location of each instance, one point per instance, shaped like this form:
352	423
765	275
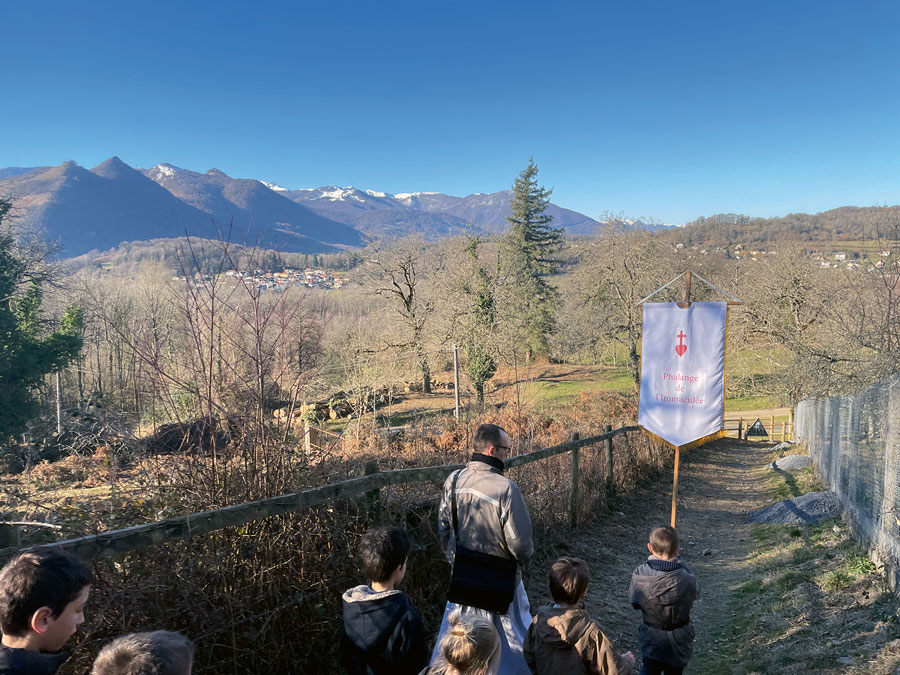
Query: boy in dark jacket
664	589
563	638
383	632
42	598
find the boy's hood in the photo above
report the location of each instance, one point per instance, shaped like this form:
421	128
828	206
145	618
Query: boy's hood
562	627
369	616
365	593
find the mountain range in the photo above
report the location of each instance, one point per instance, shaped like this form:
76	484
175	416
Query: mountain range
97	209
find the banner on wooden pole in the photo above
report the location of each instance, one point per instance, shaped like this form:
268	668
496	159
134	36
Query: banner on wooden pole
683	371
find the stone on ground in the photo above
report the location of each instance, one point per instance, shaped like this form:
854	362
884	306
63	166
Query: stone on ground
792	462
807	509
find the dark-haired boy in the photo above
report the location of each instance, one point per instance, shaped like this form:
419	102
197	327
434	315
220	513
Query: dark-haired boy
563	638
42	598
664	589
383	632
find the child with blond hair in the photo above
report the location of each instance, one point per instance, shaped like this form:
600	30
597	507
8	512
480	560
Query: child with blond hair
470	646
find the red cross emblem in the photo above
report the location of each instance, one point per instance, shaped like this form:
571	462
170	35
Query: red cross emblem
680	348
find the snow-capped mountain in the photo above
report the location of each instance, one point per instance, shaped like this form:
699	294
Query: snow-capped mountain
84	210
432	213
100	208
246	205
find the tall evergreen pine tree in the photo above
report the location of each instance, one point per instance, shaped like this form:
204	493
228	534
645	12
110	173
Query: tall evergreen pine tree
527	256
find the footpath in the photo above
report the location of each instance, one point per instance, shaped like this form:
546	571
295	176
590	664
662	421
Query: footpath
719	483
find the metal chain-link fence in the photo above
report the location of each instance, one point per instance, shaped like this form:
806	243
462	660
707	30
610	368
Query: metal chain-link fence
854	442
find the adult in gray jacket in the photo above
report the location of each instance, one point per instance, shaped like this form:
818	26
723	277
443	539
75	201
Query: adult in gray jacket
491	518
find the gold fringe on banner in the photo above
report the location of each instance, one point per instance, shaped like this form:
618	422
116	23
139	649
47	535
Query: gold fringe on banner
687	446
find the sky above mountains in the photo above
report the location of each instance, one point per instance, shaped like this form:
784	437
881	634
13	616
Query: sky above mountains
656	109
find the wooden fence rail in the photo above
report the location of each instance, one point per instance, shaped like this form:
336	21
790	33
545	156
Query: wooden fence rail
150	534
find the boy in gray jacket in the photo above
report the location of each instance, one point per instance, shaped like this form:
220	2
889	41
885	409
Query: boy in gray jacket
664	589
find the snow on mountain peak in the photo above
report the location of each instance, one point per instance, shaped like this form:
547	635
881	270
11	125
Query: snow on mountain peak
340	194
376	193
273	186
165	169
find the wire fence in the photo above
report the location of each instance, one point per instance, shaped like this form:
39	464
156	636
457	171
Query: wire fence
854	442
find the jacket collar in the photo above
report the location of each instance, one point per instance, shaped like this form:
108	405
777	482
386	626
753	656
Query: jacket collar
25	661
492	462
661	565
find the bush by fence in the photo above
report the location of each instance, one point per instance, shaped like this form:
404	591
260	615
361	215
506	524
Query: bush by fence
854	442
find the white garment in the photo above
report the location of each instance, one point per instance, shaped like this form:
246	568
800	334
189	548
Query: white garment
512	627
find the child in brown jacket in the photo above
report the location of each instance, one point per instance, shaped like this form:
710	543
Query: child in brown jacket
563	638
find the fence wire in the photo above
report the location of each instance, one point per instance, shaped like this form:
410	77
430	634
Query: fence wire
854	442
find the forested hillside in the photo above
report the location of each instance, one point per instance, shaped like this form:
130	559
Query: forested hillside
845	223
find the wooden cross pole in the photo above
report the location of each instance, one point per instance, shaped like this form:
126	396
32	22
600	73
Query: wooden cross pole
683	305
675	486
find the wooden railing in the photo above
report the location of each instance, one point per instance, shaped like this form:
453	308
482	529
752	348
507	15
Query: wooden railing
127	539
777	431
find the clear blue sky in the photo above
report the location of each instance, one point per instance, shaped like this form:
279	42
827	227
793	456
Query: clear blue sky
660	109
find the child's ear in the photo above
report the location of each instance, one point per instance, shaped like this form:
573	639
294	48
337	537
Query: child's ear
40	620
650	548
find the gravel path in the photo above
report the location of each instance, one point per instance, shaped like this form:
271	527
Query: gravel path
719	483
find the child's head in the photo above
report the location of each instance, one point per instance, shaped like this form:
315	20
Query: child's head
161	652
42	598
471	646
384	551
569	579
663	542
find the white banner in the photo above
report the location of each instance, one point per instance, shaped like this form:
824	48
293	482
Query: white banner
683	371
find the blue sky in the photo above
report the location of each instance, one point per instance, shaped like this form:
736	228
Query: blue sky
656	109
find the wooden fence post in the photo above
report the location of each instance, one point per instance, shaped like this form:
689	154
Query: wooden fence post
610	483
573	481
772	427
373	497
9	536
740	428
783	429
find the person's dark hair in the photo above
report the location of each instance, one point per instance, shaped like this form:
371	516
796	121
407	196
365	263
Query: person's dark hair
38	579
569	579
382	550
161	652
664	540
487	435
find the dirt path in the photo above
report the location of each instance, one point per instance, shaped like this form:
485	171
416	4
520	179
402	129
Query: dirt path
719	483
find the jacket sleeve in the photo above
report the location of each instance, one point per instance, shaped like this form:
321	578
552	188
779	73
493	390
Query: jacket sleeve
415	654
634	595
445	521
603	659
695	583
517	525
528	647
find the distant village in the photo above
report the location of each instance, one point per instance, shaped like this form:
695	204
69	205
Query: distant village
279	281
836	260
